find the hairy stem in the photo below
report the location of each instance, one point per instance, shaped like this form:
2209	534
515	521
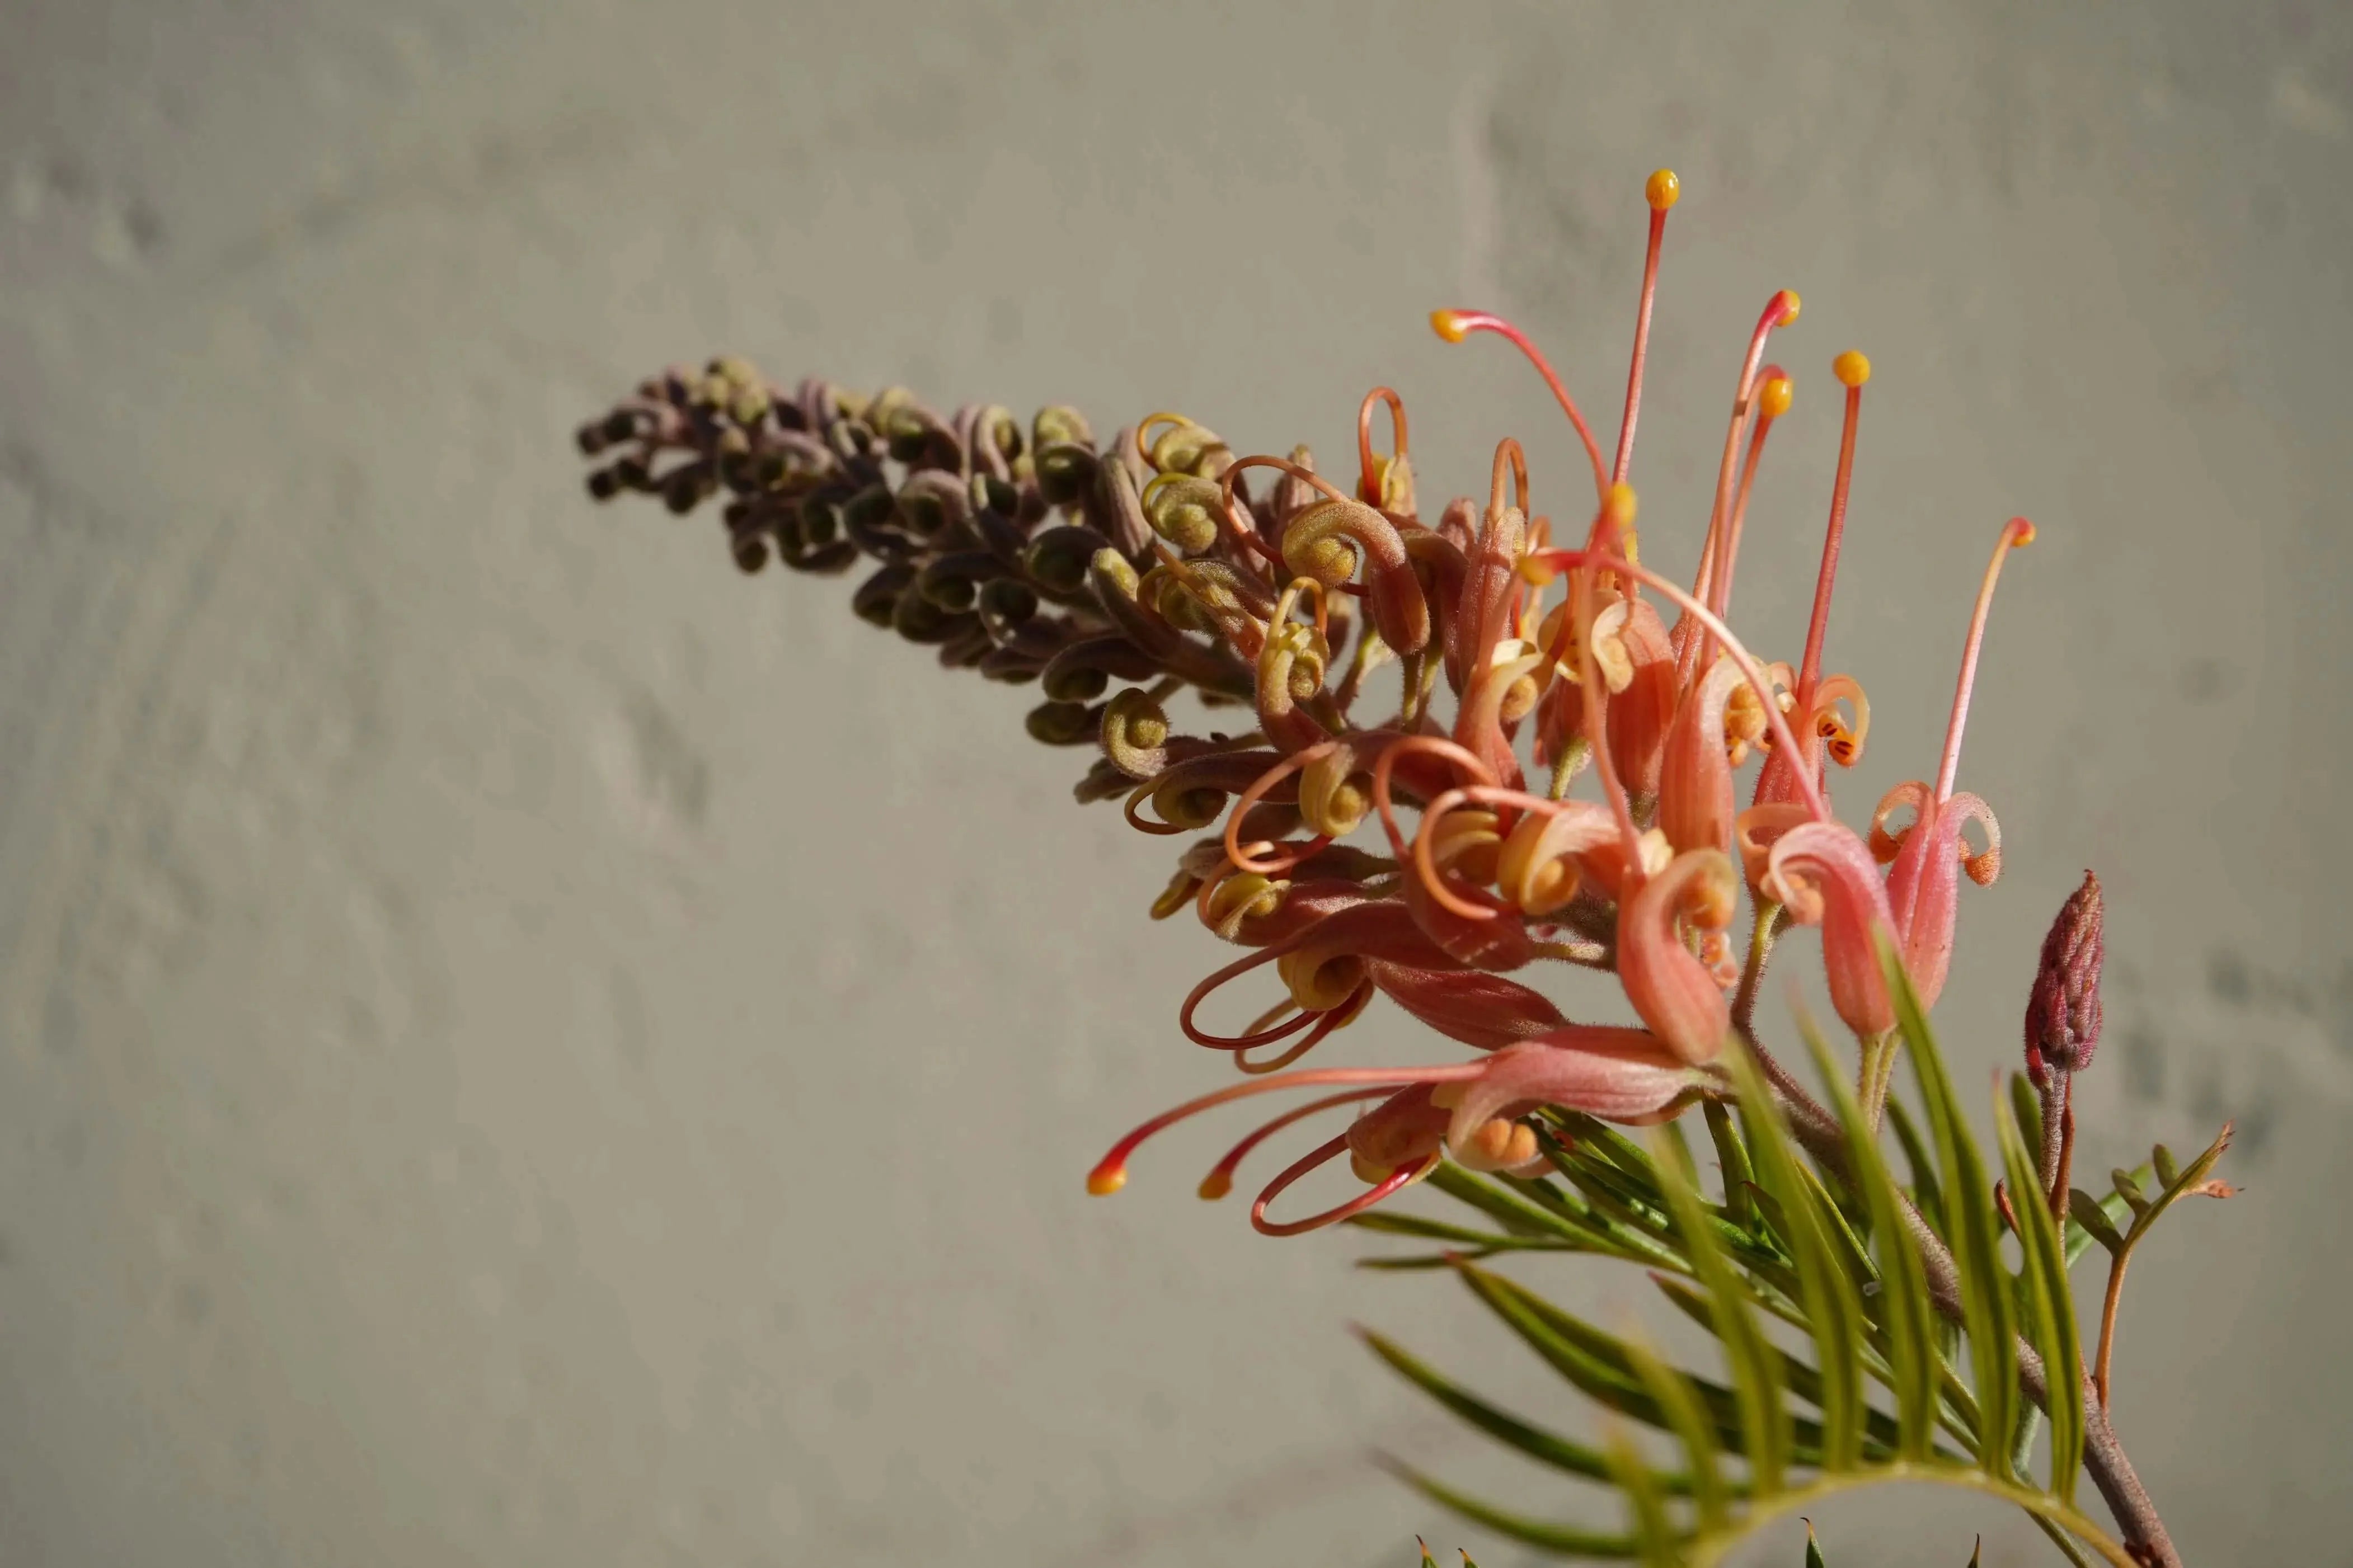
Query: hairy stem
1761	937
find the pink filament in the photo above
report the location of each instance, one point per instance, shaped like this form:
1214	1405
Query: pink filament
1486	322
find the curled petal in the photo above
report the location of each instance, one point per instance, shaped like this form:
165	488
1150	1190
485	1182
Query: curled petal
1185	510
1641	710
1476	1008
1228	901
1403	1129
1923	886
1326	963
1384	482
1471	845
1329	539
1985	864
1842	740
1335	792
1886	845
1184	448
1539	868
1322	963
1605	863
1191	793
1616	1075
1135	734
1290	671
1479	722
1695	776
1613	652
1754	832
1320	979
1674	991
1825	876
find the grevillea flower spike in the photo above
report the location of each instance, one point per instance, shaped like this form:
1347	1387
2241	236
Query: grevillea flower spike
1118	575
1151	561
1929	852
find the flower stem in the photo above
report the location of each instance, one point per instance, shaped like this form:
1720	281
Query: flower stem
1761	937
2057	1092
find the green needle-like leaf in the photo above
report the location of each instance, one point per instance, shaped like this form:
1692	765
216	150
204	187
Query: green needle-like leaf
1568	1539
1646	1509
2051	1306
1514	1213
1833	1303
1732	1160
1711	1502
1390	1222
1756	1370
1800	1377
1977	1229
1545	1447
1901	1306
1813	1548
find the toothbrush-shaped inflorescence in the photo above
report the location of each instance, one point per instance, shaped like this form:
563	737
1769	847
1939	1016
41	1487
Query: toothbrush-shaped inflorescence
1361	837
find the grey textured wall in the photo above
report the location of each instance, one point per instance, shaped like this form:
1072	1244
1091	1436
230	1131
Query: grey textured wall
521	1046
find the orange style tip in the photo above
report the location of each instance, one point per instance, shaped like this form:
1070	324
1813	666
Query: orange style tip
1662	190
1215	1185
1106	1180
1853	368
2021	532
1774	400
1447	325
1790	304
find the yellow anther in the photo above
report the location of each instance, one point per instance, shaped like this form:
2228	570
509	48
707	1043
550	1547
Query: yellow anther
1662	189
1447	325
1773	401
1215	1185
1789	306
1103	1183
1853	368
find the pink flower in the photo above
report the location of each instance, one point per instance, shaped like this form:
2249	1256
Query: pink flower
1675	994
1823	873
1923	884
1470	1109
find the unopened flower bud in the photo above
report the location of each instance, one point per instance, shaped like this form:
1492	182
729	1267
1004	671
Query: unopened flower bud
2063	1011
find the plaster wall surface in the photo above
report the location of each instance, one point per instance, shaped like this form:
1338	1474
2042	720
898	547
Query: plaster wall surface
519	1045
